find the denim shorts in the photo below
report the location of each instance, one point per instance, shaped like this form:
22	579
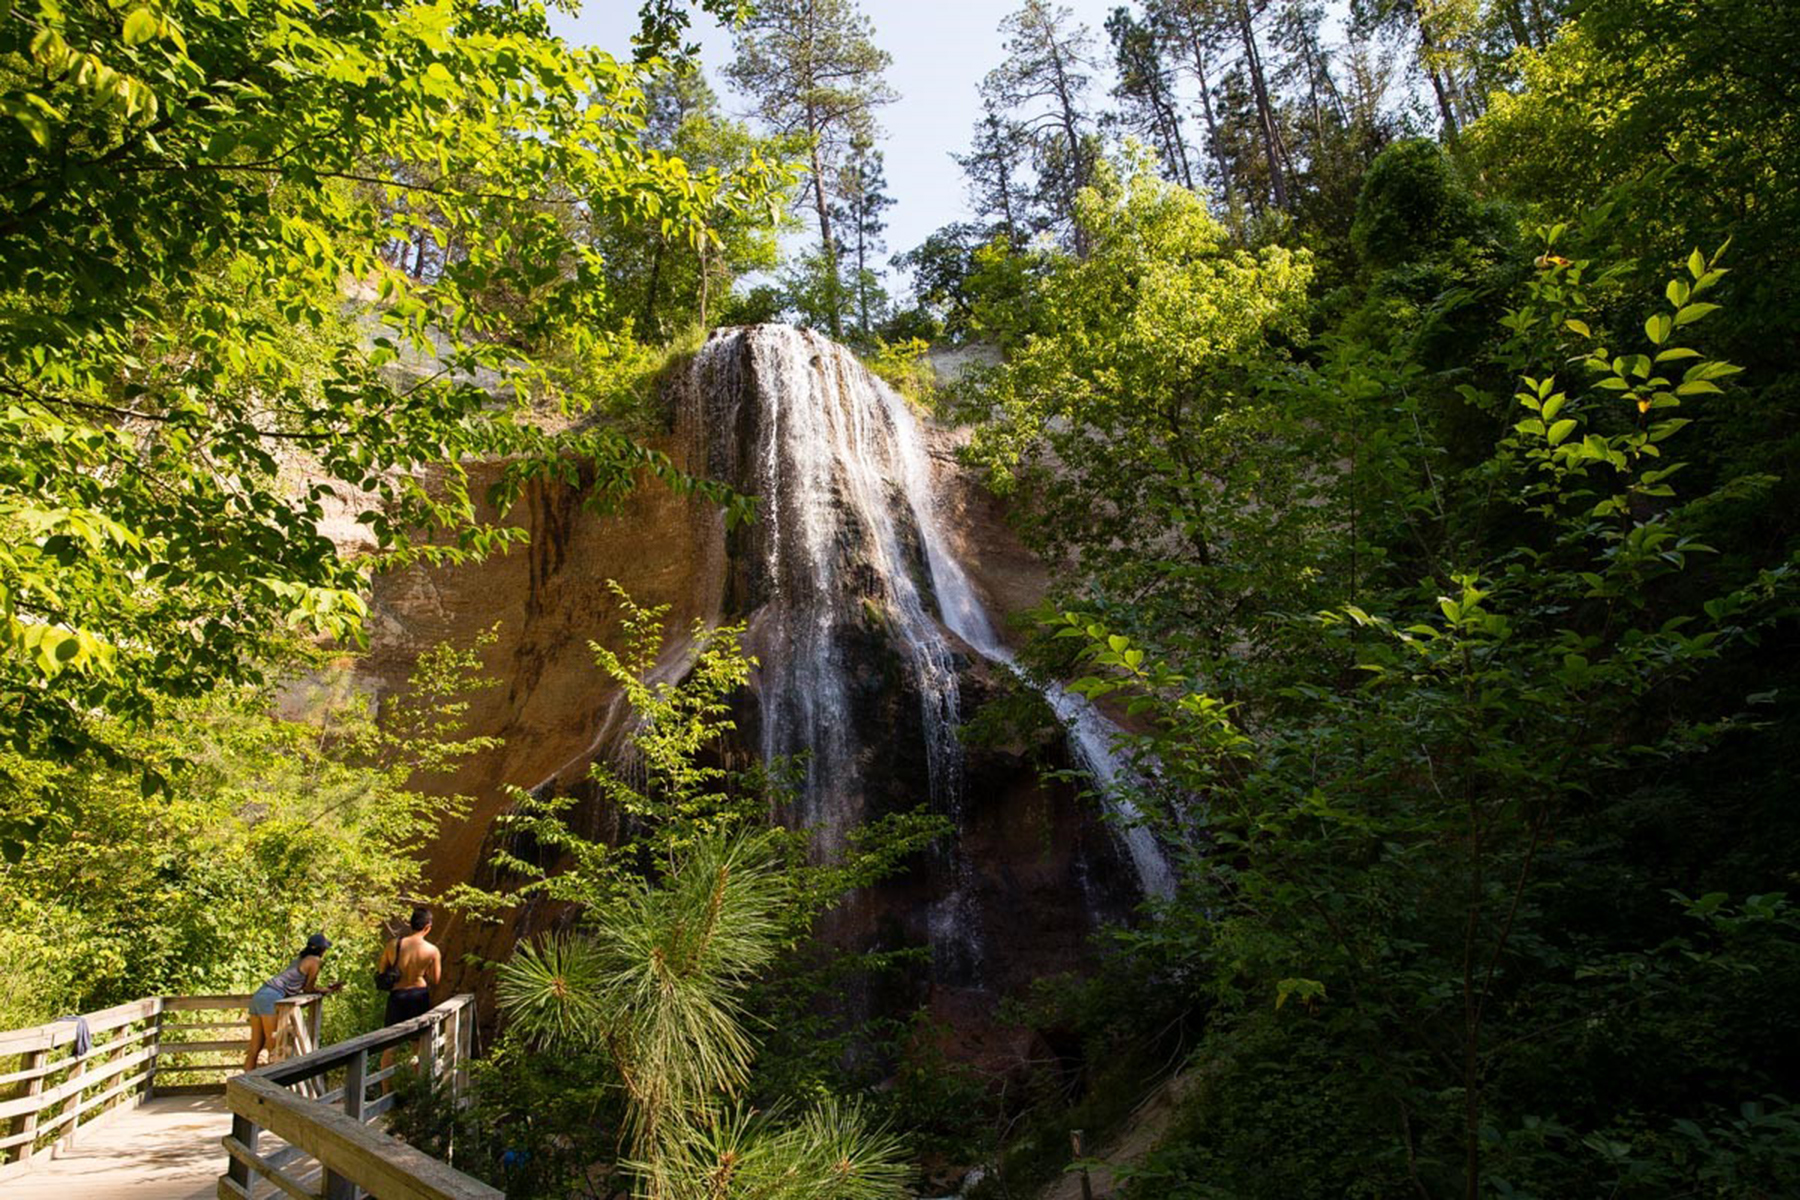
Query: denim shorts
263	1001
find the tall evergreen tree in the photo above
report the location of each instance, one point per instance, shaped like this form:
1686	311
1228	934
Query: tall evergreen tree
1245	24
1193	35
1146	89
1043	86
1205	27
660	281
863	187
814	69
997	171
1425	19
1306	71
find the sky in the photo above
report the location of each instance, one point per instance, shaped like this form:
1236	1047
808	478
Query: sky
941	50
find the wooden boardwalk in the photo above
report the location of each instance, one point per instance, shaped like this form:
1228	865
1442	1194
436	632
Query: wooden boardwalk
164	1149
131	1125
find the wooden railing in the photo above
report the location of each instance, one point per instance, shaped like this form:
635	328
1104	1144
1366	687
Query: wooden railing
160	1045
319	1105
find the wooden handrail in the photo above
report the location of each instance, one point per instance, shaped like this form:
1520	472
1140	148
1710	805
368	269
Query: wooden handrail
381	1165
283	1099
310	1066
52	1094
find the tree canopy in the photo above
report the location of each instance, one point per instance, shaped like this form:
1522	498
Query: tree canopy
205	349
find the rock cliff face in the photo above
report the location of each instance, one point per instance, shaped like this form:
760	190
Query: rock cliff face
872	583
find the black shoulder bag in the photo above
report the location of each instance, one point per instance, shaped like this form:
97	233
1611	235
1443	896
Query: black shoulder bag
387	978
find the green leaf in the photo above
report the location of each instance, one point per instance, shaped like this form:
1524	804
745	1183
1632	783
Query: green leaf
1578	327
140	26
1693	312
1696	265
1711	370
1658	327
1305	989
1560	430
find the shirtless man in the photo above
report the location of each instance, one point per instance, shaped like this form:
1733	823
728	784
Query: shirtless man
420	966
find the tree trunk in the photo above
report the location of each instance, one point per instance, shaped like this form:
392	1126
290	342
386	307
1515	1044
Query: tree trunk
1206	110
1264	110
1071	125
862	273
1540	26
705	280
1003	172
1515	23
1446	108
650	289
826	246
1170	121
1439	86
1307	48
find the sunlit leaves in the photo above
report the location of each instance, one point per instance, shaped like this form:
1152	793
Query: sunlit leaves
205	199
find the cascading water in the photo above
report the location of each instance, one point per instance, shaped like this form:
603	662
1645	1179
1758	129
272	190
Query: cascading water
1091	735
849	553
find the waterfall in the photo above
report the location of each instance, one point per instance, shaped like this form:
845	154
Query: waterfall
848	562
1091	736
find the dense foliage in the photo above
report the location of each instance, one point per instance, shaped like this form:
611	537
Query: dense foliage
687	947
289	814
206	333
1453	599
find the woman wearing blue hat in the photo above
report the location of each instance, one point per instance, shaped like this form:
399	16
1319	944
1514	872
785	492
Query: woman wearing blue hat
298	977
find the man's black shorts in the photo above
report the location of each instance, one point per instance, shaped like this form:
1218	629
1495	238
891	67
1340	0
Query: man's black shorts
404	1004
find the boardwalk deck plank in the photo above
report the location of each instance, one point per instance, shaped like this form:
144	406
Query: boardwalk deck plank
165	1149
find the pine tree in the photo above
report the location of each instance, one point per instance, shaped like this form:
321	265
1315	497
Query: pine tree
1245	25
1307	71
657	977
862	185
1042	85
1146	88
815	70
996	169
1193	35
1434	60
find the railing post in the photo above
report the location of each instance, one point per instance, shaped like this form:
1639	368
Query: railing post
465	1051
428	1048
315	1016
72	1109
356	1071
34	1086
120	1050
246	1133
452	1045
156	1025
